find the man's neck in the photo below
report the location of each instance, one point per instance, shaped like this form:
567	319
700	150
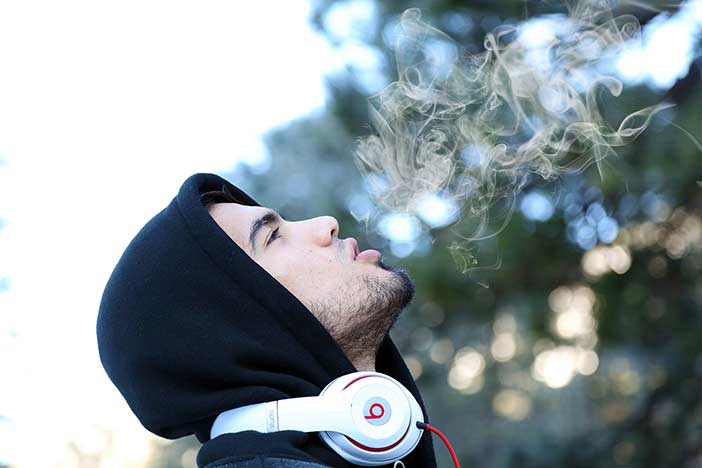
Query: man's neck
364	364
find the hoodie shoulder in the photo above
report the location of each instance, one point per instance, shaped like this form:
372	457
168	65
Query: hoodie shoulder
264	462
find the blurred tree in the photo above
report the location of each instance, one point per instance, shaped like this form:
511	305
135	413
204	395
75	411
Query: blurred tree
181	452
577	340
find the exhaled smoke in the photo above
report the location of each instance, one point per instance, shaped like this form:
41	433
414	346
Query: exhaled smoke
471	127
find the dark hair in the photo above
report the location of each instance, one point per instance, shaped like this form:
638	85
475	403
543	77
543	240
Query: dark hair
218	196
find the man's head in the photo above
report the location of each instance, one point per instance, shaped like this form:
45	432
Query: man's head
192	320
357	301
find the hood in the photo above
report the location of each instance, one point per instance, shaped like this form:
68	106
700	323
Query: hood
190	326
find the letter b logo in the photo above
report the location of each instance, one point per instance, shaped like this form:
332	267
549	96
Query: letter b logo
377	411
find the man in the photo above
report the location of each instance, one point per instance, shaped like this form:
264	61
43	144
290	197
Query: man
215	305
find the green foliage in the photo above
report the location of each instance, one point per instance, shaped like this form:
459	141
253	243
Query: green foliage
641	407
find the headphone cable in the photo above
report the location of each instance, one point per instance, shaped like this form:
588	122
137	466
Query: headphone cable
422	425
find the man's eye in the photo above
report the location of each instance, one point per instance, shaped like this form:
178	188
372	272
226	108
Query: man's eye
274	236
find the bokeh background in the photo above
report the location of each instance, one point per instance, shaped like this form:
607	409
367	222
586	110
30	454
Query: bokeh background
574	341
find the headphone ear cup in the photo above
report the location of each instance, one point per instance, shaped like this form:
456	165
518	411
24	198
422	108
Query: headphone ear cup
384	416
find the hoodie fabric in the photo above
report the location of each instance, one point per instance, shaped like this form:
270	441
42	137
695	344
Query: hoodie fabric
190	326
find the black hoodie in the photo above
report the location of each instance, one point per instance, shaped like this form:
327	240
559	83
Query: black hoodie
190	326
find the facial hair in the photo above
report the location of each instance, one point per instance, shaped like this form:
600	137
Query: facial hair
365	313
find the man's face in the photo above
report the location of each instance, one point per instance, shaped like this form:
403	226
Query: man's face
357	301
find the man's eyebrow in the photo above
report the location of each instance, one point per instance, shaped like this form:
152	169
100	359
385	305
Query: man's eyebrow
268	217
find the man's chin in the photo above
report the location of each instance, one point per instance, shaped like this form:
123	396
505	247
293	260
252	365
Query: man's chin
404	284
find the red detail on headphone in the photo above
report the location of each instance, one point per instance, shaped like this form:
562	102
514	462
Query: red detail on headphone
380	449
356	380
373	414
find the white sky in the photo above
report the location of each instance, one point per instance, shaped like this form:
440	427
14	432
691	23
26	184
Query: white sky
669	43
105	109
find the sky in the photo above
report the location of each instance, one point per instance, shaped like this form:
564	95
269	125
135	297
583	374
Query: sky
105	109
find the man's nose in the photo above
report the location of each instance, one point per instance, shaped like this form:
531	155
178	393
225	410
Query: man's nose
326	229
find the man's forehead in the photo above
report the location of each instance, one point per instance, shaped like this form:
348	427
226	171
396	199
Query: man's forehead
240	216
242	212
250	210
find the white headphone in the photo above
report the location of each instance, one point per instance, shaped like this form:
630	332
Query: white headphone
368	418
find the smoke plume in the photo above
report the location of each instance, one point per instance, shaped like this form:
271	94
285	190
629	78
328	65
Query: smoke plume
474	127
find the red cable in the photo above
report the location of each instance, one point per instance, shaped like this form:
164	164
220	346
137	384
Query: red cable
422	425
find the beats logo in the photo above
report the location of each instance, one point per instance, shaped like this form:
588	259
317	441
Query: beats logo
377	411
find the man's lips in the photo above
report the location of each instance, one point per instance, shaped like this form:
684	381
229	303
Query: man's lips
366	254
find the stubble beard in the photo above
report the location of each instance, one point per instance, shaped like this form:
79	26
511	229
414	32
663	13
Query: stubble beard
361	317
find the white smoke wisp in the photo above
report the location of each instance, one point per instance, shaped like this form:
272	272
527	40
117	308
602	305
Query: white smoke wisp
473	127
